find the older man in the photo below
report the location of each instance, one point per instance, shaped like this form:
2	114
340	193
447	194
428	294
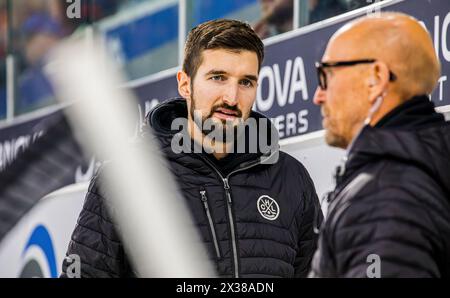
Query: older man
389	215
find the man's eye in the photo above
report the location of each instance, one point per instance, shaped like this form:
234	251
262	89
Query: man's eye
247	83
218	78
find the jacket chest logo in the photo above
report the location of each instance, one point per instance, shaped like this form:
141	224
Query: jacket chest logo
268	207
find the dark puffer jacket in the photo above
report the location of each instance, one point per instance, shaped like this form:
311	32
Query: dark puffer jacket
392	201
225	208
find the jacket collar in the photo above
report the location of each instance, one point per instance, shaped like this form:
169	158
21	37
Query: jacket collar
412	133
416	113
159	121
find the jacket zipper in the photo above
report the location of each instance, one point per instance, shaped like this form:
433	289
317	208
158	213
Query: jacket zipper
211	223
232	227
230	210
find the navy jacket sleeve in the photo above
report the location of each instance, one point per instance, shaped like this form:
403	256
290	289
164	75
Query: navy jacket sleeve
95	239
310	218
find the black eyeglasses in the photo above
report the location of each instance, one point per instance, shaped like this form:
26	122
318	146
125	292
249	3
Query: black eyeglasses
322	76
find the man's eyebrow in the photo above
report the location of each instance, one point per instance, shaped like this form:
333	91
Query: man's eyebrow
215	72
251	77
221	72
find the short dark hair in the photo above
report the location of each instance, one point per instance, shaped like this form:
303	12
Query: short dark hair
219	34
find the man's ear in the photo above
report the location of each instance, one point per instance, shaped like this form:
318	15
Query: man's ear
378	80
184	84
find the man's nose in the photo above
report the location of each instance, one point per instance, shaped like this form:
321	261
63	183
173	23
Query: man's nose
231	94
319	96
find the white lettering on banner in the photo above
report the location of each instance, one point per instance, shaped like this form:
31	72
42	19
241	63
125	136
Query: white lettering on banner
22	142
440	42
291	124
445	50
267	103
9	149
282	91
286	88
6	153
298	80
441	82
436	34
303	121
279	124
440	36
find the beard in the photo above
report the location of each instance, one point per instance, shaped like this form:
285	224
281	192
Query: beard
207	124
339	134
335	140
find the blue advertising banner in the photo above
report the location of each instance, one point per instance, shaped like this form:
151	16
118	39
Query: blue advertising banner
16	138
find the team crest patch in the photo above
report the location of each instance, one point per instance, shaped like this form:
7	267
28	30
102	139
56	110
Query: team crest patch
268	207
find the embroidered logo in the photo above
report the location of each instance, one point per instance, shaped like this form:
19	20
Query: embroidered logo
268	207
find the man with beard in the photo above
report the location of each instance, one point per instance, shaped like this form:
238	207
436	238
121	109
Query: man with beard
389	215
254	210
